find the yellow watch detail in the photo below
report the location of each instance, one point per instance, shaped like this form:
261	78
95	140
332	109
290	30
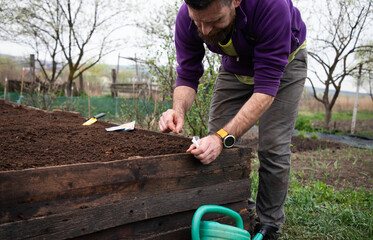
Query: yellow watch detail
222	133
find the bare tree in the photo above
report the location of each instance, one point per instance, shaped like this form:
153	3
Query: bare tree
6	17
84	21
30	27
343	24
43	38
161	57
75	34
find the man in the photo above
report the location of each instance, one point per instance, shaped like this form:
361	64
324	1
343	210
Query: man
262	43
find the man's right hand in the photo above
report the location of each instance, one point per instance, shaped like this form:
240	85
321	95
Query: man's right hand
171	121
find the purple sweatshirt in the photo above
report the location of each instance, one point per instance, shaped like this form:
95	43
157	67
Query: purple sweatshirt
267	31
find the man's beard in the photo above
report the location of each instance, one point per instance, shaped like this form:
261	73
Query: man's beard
217	35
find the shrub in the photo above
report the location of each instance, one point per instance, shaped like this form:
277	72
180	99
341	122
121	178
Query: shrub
303	124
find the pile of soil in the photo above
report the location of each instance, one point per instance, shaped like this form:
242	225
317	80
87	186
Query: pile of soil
33	138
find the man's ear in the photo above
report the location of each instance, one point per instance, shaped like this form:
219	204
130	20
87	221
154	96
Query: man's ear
236	3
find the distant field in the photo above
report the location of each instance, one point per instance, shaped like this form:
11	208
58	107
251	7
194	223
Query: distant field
343	103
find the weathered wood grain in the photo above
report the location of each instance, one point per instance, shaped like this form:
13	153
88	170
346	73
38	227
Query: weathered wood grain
84	221
53	190
175	226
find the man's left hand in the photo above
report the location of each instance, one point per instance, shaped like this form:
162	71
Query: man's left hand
209	149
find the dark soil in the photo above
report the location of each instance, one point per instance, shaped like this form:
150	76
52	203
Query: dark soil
298	144
33	138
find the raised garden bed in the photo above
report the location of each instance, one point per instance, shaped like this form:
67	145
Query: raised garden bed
59	180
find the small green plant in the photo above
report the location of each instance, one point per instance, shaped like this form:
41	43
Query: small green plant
347	152
324	167
319	151
312	160
314	136
302	134
336	182
355	161
336	163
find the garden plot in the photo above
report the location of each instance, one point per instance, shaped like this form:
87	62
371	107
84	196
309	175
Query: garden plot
60	179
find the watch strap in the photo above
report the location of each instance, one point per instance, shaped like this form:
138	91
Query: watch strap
222	133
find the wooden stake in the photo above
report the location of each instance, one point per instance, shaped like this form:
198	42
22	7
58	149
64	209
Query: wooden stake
89	101
23	76
6	84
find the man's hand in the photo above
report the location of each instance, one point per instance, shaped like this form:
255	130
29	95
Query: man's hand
209	149
171	120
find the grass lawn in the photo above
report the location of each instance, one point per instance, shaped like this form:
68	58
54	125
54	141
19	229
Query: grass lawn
315	210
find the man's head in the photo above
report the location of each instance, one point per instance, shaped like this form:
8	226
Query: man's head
203	4
214	18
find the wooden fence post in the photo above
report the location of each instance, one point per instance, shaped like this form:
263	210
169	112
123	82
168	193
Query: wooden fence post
81	83
32	67
114	91
5	86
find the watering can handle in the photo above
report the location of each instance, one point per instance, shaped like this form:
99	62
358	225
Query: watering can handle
213	209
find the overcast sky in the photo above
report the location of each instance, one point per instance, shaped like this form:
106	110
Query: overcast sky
129	50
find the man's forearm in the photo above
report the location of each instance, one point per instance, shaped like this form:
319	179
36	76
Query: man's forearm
250	112
183	99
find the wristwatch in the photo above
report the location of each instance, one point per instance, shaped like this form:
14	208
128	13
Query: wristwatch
228	140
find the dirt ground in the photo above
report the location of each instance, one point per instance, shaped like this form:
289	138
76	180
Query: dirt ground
34	138
333	163
31	138
365	125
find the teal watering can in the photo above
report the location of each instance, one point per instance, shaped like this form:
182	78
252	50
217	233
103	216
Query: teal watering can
208	230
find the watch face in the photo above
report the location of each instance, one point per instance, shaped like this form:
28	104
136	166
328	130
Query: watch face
229	141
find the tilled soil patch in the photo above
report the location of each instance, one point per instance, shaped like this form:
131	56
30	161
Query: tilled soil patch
336	164
298	144
35	138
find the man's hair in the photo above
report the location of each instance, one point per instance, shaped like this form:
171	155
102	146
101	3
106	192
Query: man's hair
203	4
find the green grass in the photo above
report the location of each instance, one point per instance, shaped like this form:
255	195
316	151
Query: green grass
302	134
344	115
318	211
304	119
365	133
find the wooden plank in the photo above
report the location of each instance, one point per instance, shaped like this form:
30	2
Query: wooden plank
84	221
51	190
15	211
103	177
156	227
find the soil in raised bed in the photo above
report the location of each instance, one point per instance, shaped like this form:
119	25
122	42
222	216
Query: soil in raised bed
32	138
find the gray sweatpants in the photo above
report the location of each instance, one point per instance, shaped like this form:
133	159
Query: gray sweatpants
275	131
